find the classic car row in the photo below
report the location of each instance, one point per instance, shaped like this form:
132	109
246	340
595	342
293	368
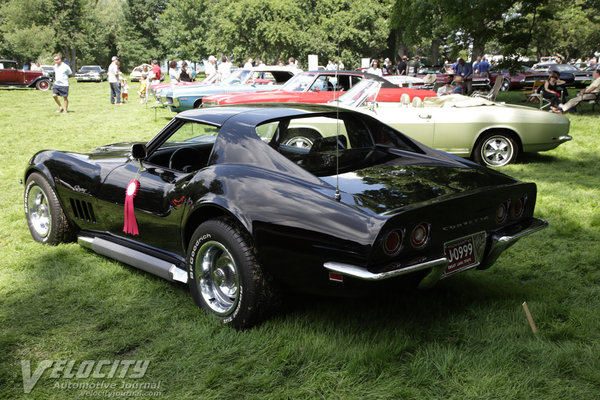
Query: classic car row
13	76
223	200
490	133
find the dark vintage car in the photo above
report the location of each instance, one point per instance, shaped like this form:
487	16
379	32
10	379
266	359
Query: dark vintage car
444	77
218	201
11	75
568	73
91	73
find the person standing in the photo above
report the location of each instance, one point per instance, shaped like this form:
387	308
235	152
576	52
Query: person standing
375	69
403	66
62	72
113	80
210	67
224	68
465	71
155	72
484	68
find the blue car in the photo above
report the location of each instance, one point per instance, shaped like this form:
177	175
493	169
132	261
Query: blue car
180	98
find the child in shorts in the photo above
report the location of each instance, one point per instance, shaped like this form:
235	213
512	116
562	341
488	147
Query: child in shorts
143	88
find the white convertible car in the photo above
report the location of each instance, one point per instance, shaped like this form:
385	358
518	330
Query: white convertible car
490	133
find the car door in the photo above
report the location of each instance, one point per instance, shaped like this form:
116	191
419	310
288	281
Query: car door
9	73
415	122
164	188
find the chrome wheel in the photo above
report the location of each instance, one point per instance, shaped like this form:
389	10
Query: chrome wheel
497	151
39	211
299	141
218	280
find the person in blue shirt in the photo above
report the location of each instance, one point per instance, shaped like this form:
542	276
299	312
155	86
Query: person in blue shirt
465	71
484	68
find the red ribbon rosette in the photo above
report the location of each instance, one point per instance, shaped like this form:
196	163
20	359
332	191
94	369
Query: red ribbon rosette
130	224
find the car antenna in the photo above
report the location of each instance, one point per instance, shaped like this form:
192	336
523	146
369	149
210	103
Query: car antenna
337	196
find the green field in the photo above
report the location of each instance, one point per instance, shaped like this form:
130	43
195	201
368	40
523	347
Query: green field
467	338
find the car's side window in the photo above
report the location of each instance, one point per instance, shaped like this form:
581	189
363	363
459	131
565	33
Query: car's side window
193	132
188	149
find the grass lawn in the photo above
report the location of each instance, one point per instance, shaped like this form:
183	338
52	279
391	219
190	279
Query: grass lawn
467	338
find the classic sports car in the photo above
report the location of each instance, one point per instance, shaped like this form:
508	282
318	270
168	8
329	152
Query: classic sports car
493	134
12	76
91	73
217	200
568	73
306	87
242	80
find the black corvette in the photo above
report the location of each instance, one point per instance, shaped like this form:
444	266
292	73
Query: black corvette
220	200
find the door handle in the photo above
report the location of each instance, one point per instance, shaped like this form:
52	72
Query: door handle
425	116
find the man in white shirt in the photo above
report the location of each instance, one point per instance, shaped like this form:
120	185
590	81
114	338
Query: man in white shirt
249	63
210	67
61	83
113	80
589	93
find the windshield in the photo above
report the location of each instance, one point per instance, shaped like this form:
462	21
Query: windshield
238	77
86	69
299	83
563	68
363	91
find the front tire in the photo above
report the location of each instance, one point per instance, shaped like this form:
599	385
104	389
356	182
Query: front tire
496	150
42	84
225	278
47	222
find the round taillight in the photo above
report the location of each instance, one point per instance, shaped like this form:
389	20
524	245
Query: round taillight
420	235
392	243
502	213
519	207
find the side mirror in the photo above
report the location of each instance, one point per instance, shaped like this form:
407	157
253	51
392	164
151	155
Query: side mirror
138	151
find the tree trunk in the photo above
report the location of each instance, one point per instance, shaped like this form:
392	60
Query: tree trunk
478	48
435	51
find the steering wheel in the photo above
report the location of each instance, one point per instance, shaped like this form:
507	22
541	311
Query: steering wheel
186	159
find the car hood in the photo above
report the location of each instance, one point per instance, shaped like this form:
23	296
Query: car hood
205	90
116	150
388	189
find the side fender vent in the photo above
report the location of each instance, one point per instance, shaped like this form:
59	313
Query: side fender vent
83	210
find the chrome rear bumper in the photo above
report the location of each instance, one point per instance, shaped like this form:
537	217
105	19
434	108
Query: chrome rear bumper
499	243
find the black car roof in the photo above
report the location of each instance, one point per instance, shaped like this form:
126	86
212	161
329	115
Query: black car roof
260	112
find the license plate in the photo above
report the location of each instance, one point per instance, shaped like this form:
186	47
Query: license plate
464	253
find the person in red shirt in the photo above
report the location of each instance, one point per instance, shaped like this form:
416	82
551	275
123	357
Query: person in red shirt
155	72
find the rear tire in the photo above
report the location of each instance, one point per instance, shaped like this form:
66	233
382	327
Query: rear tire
225	278
42	84
47	222
495	150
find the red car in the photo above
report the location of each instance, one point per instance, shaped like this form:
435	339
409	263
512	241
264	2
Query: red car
511	81
306	87
11	75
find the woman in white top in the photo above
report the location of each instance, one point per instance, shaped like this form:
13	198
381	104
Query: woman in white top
375	69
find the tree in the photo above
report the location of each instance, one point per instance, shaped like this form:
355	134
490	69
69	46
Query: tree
139	39
25	29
